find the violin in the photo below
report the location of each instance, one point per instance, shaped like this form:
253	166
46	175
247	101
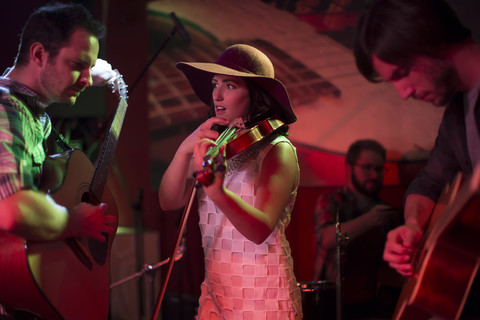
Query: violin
248	137
236	139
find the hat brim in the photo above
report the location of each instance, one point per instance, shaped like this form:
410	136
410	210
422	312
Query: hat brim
199	75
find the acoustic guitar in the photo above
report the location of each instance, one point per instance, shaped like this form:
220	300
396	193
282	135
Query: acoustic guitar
67	279
448	259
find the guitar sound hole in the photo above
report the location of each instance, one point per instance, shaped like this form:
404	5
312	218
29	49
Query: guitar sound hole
98	250
88	197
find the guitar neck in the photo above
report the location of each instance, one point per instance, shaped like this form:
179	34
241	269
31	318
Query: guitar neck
107	153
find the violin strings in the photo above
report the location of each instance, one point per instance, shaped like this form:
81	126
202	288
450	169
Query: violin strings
224	136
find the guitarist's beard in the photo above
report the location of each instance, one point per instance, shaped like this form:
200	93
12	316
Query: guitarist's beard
446	81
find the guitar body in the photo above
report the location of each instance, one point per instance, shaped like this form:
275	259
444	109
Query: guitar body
442	285
51	273
18	288
447	262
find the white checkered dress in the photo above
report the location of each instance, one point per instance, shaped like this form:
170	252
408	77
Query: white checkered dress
244	280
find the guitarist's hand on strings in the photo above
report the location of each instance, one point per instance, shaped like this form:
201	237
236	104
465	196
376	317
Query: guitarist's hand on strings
403	241
89	221
400	247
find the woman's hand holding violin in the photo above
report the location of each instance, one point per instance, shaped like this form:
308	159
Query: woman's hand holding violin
214	173
173	190
210	155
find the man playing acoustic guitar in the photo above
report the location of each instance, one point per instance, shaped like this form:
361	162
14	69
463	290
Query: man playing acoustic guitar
55	63
422	48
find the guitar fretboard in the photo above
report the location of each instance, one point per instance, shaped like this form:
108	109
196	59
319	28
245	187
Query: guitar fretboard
107	154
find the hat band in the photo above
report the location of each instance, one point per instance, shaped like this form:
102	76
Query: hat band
235	67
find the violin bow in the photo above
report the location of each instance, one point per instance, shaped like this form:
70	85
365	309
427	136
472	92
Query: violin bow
183	223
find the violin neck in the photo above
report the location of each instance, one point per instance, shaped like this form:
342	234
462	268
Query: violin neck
224	137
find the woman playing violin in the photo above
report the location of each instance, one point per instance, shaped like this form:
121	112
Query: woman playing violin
245	210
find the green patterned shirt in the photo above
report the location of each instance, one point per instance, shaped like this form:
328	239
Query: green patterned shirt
24	128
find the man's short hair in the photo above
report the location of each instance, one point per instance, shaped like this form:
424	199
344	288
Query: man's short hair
398	30
361	145
52	25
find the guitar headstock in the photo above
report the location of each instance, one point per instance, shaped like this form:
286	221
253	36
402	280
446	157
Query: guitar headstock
104	74
117	84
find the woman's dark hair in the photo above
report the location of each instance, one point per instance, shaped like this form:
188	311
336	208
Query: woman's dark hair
52	25
398	30
262	105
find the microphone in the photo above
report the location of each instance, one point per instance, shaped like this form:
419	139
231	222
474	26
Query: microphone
180	28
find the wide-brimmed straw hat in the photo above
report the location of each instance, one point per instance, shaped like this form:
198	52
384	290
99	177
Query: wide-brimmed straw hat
239	60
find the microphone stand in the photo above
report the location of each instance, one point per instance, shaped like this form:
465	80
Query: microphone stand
148	270
139	241
338	284
139	249
178	27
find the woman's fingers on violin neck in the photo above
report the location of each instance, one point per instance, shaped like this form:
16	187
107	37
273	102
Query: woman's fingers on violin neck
202	146
221	121
206	129
208	142
223	150
208	134
198	155
215	120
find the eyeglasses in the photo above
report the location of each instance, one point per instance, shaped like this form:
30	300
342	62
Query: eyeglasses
368	168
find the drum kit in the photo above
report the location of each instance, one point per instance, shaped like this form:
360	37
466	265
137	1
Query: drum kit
318	299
